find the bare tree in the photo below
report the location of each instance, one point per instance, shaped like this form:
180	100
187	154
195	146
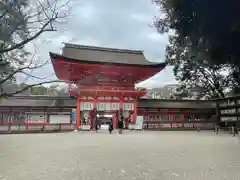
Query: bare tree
21	23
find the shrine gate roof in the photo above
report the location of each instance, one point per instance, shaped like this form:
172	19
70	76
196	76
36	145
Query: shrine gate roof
90	65
105	55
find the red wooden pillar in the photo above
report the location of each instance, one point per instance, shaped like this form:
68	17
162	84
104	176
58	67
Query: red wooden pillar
115	117
78	113
93	118
134	113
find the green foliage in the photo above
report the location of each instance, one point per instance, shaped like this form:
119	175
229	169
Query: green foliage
38	90
13	27
209	26
206	42
194	73
13	21
53	90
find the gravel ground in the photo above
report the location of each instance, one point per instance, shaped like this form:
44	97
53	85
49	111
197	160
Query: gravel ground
133	155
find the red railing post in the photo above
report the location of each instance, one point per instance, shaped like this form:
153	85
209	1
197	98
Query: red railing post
78	113
134	113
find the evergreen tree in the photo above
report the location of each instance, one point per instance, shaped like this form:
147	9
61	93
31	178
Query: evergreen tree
208	35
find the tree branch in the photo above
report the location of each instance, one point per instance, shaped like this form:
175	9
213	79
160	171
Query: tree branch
43	29
21	70
5	95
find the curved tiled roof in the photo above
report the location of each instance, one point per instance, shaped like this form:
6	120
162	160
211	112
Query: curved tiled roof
185	104
142	103
105	55
27	102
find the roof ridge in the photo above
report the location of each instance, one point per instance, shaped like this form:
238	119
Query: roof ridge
59	56
97	48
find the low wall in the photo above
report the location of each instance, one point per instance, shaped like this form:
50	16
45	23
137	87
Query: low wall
183	126
34	127
9	128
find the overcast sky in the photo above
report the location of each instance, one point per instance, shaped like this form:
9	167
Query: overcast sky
113	23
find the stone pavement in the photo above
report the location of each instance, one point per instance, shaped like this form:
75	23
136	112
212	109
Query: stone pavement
133	155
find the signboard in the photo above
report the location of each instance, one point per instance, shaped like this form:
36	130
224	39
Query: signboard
138	125
228	118
59	119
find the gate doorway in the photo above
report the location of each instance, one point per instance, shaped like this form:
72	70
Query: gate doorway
104	119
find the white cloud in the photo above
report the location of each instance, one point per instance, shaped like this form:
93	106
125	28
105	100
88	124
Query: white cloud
161	79
154	36
119	24
141	17
87	12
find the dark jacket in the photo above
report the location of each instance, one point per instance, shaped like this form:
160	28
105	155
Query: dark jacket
110	128
120	124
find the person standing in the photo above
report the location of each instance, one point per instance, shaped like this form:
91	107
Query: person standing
217	126
234	130
110	127
198	124
96	125
120	126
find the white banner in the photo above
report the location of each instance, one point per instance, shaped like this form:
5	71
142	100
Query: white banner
138	125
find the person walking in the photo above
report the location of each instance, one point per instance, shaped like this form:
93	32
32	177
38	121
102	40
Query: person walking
217	126
96	125
234	130
198	124
110	127
120	126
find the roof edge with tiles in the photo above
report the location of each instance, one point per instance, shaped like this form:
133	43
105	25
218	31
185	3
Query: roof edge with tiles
55	56
96	48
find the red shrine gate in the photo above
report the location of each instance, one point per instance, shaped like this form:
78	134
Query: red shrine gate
103	80
115	101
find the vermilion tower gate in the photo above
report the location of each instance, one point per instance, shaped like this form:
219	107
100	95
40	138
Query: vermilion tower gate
103	80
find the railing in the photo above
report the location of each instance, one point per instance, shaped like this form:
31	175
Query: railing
35	127
208	125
